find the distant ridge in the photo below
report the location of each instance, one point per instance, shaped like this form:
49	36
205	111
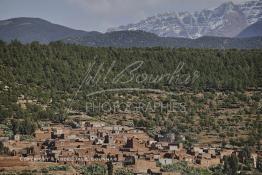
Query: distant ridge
226	20
27	30
126	39
252	31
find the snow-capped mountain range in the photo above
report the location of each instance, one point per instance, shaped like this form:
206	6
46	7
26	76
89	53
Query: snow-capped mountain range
227	20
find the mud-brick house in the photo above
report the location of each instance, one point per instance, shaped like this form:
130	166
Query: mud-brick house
254	157
150	156
118	129
144	166
94	125
42	134
119	140
180	154
25	152
120	157
129	160
226	152
109	139
161	145
188	158
92	136
140	135
166	161
175	147
135	145
18	148
169	137
2	132
57	133
4	139
99	141
17	137
197	150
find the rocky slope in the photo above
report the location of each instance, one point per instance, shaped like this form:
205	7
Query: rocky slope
253	30
227	20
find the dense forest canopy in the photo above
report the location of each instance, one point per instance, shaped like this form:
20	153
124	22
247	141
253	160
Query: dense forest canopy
52	73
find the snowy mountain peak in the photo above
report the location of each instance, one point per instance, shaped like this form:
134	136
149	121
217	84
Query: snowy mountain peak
227	20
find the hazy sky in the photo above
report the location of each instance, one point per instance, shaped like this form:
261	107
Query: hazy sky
98	14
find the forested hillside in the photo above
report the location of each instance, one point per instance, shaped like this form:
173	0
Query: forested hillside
51	74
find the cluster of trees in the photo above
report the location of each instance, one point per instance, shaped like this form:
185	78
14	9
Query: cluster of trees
183	168
94	169
26	127
97	169
231	165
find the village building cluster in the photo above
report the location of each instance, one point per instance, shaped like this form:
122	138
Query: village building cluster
96	142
